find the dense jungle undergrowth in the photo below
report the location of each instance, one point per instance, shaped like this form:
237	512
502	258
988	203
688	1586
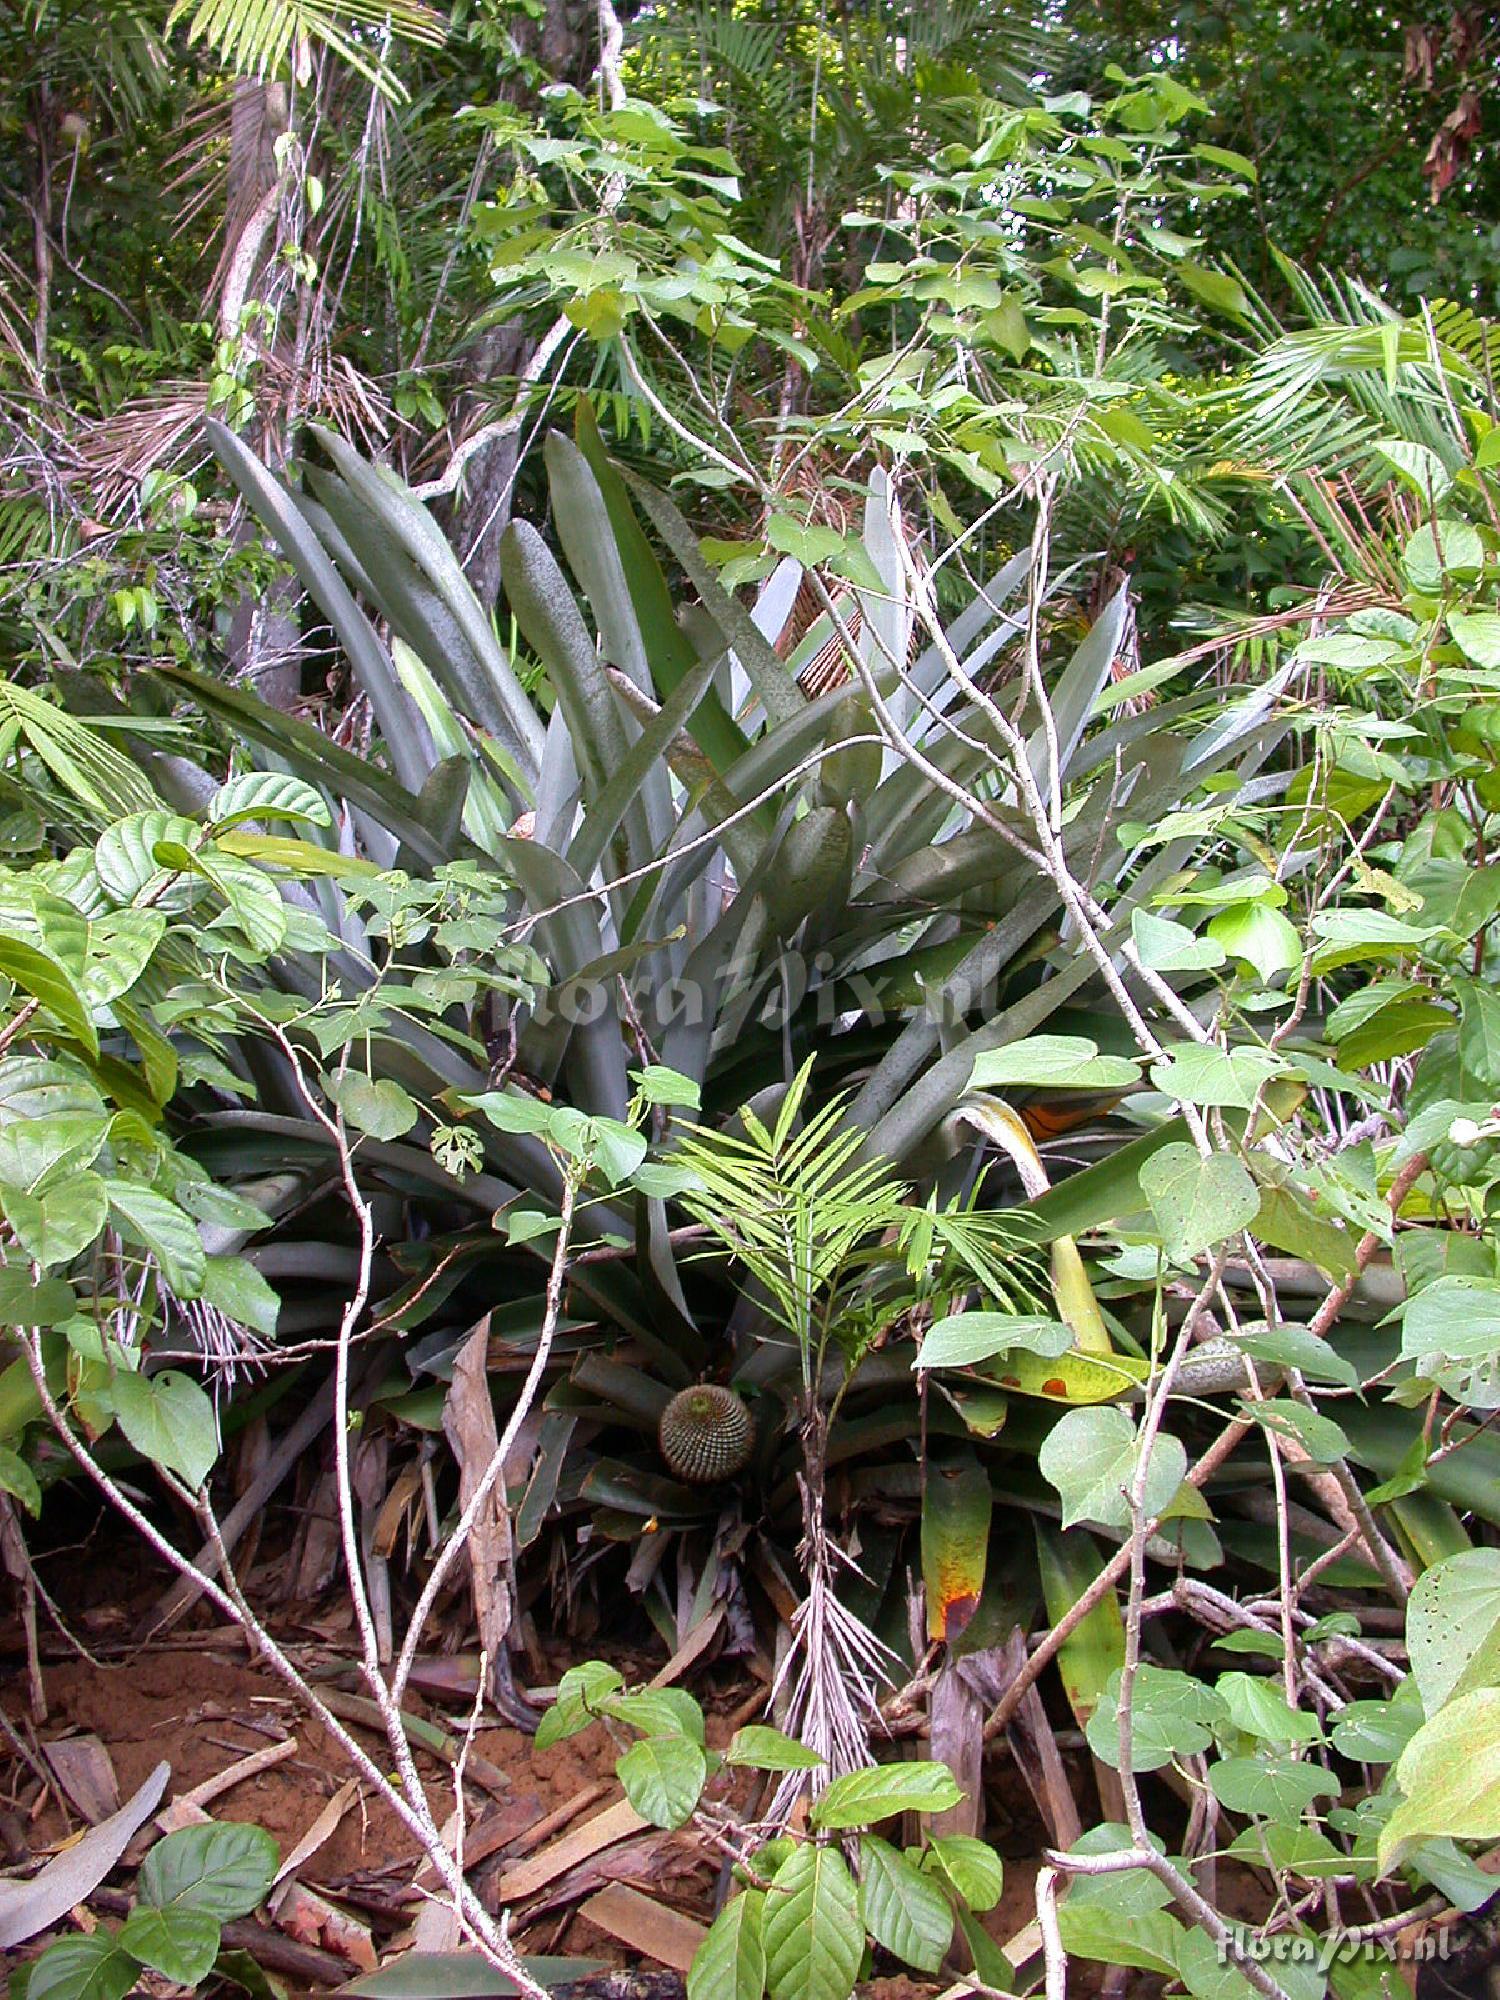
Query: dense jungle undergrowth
749	1040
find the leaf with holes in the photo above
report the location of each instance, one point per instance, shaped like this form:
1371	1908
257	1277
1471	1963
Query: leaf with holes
1453	1627
1197	1202
730	1964
860	1798
904	1910
1090	1457
663	1778
169	1420
813	1935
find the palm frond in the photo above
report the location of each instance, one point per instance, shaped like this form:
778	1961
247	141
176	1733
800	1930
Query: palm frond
255	37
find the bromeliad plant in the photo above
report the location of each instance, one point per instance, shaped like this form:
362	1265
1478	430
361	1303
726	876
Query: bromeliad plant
719	875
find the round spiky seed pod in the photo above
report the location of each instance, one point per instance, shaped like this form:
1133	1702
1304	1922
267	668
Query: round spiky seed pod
706	1434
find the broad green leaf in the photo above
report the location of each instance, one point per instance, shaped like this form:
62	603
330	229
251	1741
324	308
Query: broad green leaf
1197	1073
18	1479
806	541
169	1420
1449	1774
1261	936
237	1289
580	1695
971	1867
1215	288
24	1302
1453	1627
1299	1850
1276	1787
160	1226
1479	1032
761	1748
814	1939
1440	549
663	1778
617	1149
860	1798
1164	945
266	795
377	1105
1319	1436
904	1910
658	1712
1145	1939
1419	465
1352	935
1171	1713
730	1964
1458	1316
83	1968
1478	634
1094	1650
1197	1202
512	1110
660	1085
964	1338
125	856
1260	1708
1375	1732
46	979
223	1870
1090	1457
121	945
181	1944
1070	1378
57	1227
1054	1062
1293	1346
37	1154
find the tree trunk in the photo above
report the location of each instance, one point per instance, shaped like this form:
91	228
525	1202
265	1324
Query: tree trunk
265	636
564	41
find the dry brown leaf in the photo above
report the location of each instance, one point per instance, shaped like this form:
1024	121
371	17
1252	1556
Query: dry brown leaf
616	1822
469	1426
322	1828
81	1766
309	1918
648	1927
